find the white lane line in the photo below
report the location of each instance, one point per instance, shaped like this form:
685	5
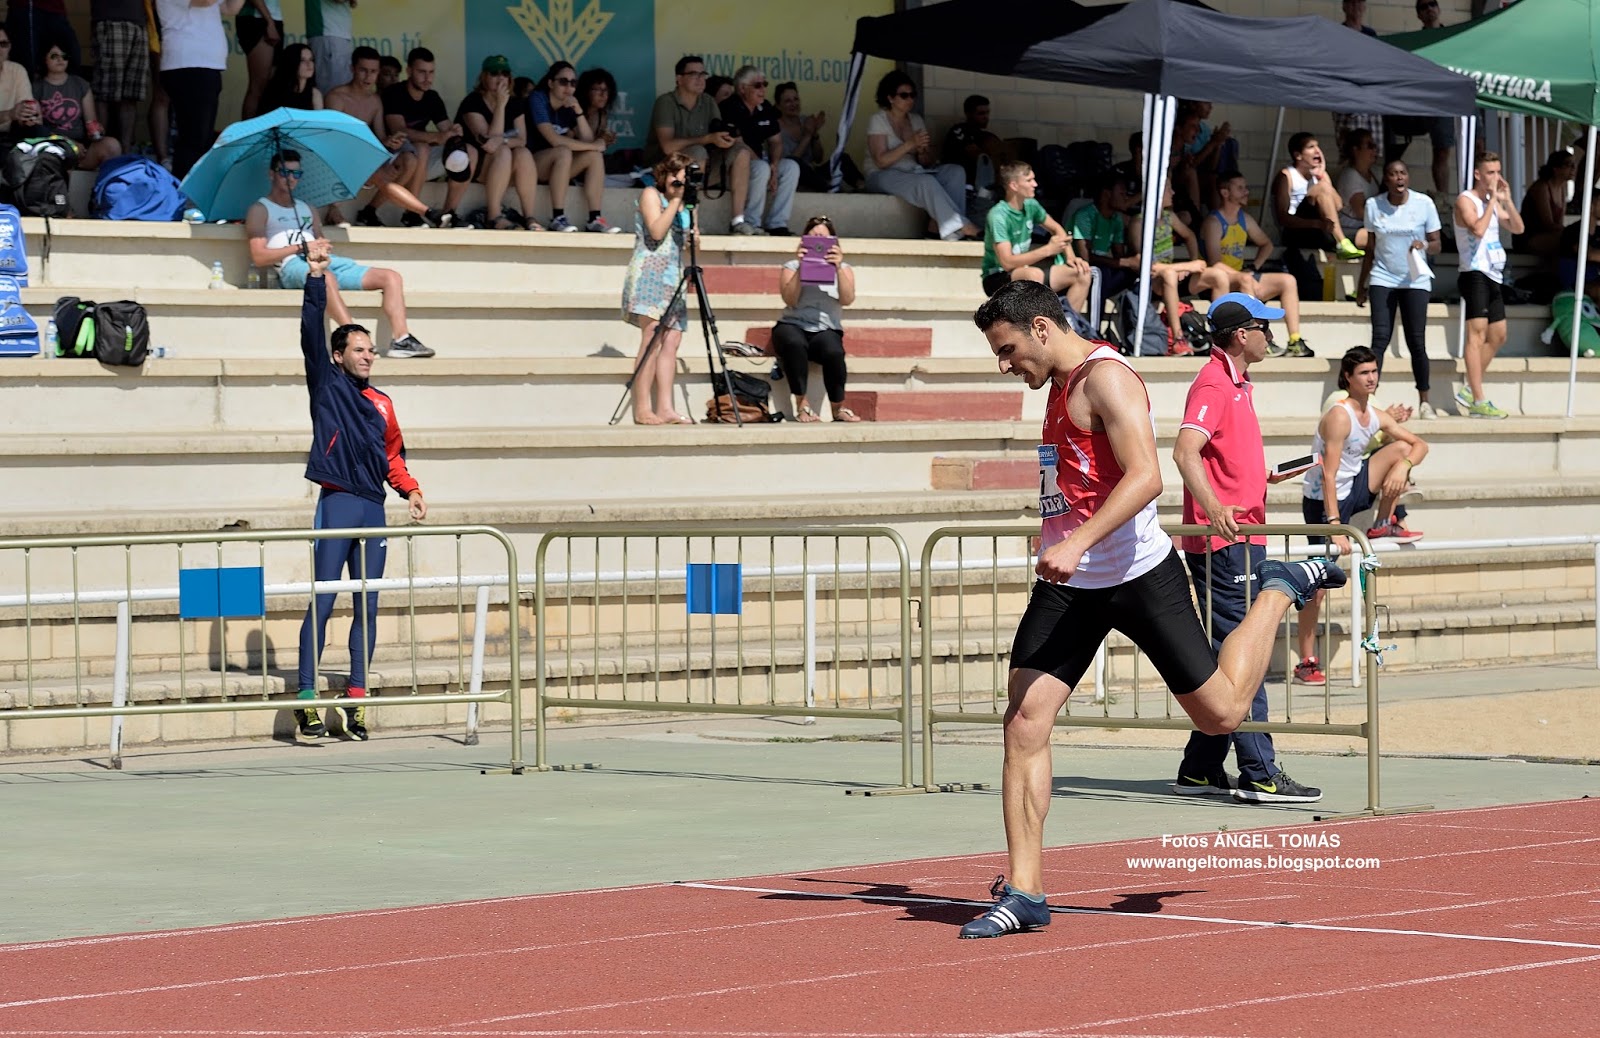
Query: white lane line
1209	920
1357	989
322	971
313	920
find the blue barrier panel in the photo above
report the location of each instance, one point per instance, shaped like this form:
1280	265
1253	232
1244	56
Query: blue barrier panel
233	591
715	588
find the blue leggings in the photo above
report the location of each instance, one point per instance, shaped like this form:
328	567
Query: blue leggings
337	510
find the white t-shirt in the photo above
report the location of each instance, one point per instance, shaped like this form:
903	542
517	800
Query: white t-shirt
1349	184
287	226
879	124
191	37
1350	457
1485	255
1396	227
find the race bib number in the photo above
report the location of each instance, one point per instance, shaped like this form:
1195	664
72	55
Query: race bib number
1495	254
1051	501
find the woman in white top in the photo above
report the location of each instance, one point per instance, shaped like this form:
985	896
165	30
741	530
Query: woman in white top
901	162
194	53
1357	181
1358	480
1402	228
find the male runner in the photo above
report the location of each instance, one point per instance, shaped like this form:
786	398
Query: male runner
356	448
1104	564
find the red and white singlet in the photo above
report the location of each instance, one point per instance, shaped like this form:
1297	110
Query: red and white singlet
1077	472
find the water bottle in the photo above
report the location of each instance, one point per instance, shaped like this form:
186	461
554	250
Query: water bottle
52	339
216	275
161	351
272	280
193	215
253	279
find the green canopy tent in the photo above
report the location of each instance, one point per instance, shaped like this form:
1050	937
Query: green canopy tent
1538	57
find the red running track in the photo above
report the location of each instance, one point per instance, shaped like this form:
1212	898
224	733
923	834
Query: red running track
1475	922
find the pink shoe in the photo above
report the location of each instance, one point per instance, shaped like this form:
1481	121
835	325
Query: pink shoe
1393	531
1309	672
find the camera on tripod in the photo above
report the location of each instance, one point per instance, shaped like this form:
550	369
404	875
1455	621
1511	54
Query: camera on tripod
694	178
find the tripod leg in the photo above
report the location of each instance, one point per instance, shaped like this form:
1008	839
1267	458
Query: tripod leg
715	361
648	352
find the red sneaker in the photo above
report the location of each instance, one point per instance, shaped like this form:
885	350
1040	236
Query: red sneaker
1179	348
1309	672
1393	531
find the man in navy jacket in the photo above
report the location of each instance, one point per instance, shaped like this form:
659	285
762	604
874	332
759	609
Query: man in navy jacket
356	448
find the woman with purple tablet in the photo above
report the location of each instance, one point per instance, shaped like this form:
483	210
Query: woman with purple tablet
816	285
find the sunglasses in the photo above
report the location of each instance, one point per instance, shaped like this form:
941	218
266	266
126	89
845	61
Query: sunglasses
1263	327
698	74
291	174
906	93
760	84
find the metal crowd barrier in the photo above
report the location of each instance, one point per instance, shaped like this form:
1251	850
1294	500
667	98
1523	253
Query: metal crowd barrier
979	635
224	580
706	621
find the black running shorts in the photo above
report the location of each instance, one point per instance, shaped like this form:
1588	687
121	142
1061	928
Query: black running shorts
1481	296
1064	626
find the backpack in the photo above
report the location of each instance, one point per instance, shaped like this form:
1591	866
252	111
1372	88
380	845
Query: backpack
750	394
1153	341
75	327
19	332
1195	331
13	245
121	333
132	187
35	173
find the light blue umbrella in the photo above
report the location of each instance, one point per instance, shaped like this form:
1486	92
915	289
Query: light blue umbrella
337	151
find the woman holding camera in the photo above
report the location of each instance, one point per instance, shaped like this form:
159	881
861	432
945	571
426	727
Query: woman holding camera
660	227
811	328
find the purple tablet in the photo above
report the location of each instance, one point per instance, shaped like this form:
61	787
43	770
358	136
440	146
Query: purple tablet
814	266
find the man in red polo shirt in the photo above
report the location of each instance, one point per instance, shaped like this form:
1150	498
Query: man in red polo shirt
1223	463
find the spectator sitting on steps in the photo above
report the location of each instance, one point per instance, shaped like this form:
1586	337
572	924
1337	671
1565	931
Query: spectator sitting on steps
280	227
66	106
1229	233
1306	204
358	98
1010	253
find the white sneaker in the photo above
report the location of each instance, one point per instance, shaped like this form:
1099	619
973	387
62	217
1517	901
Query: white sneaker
1426	412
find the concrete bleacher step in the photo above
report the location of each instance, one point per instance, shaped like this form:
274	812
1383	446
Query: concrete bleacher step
864	340
936	406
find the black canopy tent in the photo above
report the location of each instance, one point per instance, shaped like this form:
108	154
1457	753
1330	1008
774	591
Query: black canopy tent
1164	49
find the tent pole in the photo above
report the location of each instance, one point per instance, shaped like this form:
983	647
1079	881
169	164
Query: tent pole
1272	160
1583	258
1466	158
1159	112
847	116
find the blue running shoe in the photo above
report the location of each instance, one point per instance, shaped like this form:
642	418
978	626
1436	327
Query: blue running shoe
1300	580
1012	913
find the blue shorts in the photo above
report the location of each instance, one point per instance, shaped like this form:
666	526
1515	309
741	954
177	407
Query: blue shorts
292	273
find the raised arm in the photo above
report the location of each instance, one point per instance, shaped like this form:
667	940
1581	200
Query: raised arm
313	306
